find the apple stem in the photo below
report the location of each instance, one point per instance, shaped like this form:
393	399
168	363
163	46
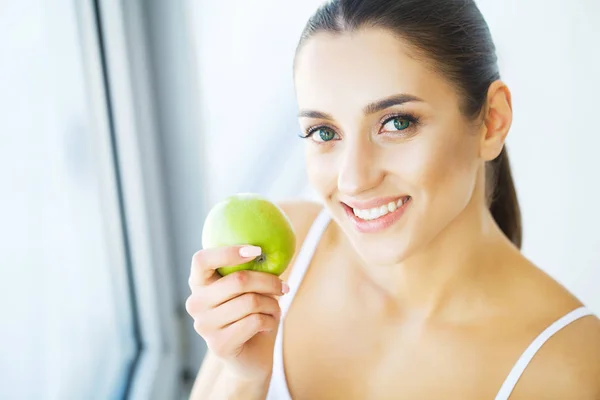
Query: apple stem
260	258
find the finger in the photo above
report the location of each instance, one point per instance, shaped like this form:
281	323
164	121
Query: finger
239	308
240	282
214	316
206	261
234	336
232	286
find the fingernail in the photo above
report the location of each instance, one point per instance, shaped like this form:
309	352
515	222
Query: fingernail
284	288
250	251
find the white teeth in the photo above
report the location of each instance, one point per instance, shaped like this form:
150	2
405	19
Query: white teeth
392	207
377	212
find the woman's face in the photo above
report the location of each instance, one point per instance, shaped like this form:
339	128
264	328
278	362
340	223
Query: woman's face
385	140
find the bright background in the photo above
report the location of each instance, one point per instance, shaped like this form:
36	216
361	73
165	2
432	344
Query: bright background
122	122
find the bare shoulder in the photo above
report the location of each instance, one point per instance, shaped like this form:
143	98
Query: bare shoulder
568	365
301	214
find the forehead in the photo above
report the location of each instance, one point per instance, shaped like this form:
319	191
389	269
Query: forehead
355	68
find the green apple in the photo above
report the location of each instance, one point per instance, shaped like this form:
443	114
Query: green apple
248	218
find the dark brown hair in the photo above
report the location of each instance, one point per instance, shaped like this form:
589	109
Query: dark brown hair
454	37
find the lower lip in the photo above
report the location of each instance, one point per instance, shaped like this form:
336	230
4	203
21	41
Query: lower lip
378	224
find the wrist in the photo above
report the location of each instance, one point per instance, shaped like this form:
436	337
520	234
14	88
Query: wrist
245	387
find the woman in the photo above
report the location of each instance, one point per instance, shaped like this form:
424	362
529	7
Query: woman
409	283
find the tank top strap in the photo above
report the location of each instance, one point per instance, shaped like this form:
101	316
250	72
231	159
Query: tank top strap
278	389
515	374
304	257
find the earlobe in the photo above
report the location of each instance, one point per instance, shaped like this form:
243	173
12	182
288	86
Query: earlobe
497	120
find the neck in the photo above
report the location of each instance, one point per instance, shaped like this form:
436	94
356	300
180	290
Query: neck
450	275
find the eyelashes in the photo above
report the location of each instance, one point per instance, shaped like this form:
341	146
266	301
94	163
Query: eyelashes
394	125
324	134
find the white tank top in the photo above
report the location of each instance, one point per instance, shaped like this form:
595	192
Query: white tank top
278	389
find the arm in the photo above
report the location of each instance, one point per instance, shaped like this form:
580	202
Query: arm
207	377
213	382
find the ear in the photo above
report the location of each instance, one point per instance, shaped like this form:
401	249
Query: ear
497	120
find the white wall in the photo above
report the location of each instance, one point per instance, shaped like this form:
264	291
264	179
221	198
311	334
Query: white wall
244	58
550	59
548	56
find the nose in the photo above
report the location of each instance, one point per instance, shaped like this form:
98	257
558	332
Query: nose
359	170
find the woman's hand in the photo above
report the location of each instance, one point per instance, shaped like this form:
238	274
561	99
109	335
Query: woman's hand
237	315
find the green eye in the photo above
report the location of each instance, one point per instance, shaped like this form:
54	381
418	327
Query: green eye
396	124
324	135
400	123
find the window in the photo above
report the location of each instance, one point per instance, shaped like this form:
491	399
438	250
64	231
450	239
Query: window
72	325
83	262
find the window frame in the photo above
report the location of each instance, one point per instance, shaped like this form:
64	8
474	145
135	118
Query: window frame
119	90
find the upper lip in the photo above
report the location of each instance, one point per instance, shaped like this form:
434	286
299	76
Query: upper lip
372	203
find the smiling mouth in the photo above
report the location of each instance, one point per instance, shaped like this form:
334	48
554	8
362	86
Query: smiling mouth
377	219
374	213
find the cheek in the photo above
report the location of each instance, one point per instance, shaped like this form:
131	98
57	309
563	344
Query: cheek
321	170
440	171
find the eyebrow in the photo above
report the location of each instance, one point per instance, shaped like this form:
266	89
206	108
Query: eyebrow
370	108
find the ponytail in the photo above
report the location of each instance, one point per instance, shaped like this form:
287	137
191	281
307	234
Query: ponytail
502	198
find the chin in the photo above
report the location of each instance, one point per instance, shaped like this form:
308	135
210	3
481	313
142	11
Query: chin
387	248
389	245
